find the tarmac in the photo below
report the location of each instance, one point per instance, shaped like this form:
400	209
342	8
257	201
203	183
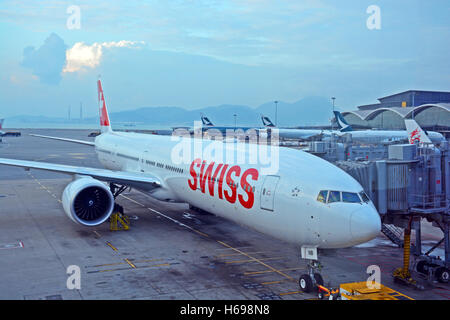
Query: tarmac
170	252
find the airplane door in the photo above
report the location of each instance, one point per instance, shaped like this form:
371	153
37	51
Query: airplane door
268	192
142	160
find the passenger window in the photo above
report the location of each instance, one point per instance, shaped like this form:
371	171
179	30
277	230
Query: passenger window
322	197
350	197
335	196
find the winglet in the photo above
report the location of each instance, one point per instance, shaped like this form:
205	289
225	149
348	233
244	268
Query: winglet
342	123
415	132
104	117
266	121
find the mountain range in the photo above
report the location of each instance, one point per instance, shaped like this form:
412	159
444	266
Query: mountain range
307	111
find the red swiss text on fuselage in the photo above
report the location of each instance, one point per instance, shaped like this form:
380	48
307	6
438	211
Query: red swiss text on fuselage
209	174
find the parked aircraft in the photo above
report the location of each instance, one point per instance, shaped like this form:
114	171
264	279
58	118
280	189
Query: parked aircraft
388	136
8	133
306	201
358	136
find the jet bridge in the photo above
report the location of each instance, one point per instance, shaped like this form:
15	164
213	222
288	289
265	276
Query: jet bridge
407	183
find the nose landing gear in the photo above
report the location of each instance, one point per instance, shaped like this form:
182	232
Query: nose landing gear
312	279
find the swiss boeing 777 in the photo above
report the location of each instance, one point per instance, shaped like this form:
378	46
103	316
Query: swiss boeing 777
307	202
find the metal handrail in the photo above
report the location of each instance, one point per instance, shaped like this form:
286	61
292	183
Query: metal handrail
430	201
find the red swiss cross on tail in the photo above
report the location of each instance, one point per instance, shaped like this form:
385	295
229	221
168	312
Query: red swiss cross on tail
104	118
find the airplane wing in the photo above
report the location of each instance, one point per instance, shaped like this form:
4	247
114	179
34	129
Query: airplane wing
89	143
136	180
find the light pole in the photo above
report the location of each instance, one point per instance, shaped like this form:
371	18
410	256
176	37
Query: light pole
332	123
276	111
235	115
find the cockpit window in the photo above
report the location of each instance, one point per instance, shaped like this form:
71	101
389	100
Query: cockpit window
322	197
364	196
350	197
326	196
335	196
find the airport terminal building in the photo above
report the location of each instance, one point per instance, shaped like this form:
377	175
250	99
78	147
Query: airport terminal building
431	109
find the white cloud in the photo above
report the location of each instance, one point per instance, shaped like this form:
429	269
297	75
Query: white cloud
82	55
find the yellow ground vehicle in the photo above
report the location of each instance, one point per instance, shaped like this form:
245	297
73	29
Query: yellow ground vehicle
360	291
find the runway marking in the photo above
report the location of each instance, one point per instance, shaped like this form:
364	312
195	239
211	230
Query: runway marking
98	235
287	293
118	263
112	247
131	265
272	282
227	246
121	269
45	188
257	260
269	271
237	254
252	260
218	241
236	248
167	217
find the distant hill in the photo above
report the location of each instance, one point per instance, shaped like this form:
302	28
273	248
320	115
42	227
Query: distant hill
307	111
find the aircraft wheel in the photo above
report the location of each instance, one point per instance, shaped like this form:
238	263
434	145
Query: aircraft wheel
318	278
305	283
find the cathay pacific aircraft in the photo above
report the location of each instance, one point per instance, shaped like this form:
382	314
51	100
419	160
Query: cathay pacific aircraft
389	136
358	136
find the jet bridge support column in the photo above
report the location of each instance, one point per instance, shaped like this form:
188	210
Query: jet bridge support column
447	242
382	186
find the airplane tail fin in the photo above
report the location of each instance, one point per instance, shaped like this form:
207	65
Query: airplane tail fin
206	122
104	117
415	132
266	121
1	123
342	123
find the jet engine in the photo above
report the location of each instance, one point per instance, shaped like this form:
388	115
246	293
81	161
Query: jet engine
87	201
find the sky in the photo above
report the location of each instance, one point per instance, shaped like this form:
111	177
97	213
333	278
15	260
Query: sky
195	54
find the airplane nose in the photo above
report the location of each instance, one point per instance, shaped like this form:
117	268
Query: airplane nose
365	224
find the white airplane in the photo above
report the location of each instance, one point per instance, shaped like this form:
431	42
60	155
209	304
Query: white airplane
389	136
359	136
297	134
308	202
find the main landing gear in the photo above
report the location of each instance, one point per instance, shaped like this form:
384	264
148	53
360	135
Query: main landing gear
312	279
118	220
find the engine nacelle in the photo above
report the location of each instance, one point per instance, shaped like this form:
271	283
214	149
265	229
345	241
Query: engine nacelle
87	201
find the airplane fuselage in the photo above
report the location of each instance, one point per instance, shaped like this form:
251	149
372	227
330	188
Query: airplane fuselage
362	136
282	204
386	136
